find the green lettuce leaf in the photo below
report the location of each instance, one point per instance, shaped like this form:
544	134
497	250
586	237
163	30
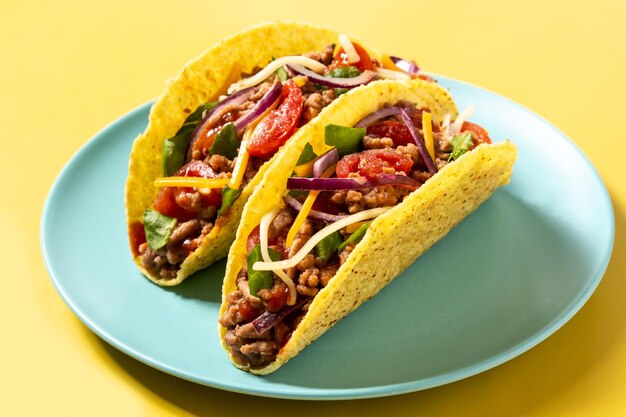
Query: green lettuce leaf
229	195
226	142
158	228
347	140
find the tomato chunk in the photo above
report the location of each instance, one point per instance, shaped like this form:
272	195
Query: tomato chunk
277	244
169	201
275	128
341	59
398	132
373	162
479	135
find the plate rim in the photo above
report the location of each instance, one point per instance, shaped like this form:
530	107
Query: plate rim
308	393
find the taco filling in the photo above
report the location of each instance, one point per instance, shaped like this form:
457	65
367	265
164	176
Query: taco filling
331	199
222	144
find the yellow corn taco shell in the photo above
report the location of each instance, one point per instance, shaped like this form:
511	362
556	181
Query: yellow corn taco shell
423	218
203	79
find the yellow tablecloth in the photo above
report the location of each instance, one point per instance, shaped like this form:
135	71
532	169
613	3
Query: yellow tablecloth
69	68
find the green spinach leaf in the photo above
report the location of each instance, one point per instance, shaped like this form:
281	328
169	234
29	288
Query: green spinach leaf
346	139
158	228
175	148
307	155
229	195
226	142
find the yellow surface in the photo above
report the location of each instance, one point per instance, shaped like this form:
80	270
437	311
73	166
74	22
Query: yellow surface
70	68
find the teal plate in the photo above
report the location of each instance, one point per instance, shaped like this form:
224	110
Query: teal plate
504	280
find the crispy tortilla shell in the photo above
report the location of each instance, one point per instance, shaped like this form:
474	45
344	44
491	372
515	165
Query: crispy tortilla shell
395	239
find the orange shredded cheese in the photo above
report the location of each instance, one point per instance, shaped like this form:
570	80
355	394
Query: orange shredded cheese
197	182
427	125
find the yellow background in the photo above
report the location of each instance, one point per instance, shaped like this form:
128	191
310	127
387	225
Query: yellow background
70	68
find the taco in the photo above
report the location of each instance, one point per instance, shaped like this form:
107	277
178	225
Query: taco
366	189
189	177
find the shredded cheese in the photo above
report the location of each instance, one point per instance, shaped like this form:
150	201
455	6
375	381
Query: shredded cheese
427	126
197	182
306	208
305	169
391	74
241	164
388	63
266	220
458	123
301	217
262	75
316	238
351	228
348	48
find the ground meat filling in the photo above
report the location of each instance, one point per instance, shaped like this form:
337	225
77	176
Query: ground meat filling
312	273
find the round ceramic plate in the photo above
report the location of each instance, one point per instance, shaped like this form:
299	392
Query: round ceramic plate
506	278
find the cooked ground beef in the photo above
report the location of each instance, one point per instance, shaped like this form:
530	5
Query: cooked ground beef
185	238
371	142
353	201
314	103
220	163
281	224
325	57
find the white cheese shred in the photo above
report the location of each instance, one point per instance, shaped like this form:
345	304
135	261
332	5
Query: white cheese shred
458	123
316	238
393	75
262	75
348	48
266	220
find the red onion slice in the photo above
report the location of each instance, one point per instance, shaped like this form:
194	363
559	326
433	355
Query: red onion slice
337	184
314	214
419	141
235	99
410	67
263	104
372	118
267	320
364	78
322	163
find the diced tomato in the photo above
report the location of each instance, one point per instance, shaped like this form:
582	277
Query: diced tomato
275	128
278	244
398	132
479	135
278	297
166	203
341	59
371	163
248	311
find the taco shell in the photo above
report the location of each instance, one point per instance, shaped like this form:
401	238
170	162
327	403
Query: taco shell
204	79
395	239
